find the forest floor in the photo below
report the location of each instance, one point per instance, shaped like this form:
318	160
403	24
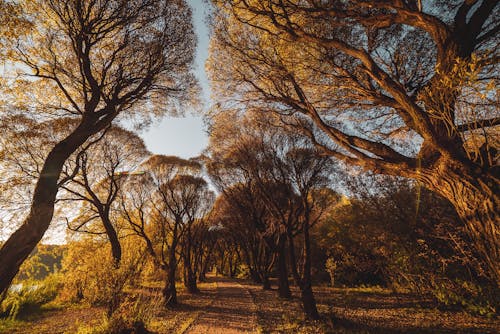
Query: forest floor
230	306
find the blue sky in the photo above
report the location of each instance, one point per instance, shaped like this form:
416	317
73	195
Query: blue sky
185	137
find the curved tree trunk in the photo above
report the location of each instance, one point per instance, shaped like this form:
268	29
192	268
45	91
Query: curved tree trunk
476	199
116	249
22	242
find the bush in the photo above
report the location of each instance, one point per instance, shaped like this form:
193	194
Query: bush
30	297
91	275
474	298
133	316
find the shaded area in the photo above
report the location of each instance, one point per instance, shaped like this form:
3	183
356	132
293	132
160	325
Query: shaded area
232	311
351	311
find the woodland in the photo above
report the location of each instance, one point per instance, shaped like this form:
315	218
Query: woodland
350	183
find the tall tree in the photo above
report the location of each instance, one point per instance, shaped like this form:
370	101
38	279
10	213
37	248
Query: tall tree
405	88
195	230
234	168
285	171
93	61
161	205
98	181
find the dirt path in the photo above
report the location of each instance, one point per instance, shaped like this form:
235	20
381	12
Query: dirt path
231	312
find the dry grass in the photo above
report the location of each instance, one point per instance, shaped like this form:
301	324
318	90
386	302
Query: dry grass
364	311
228	306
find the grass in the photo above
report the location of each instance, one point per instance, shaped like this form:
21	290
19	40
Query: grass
346	311
364	310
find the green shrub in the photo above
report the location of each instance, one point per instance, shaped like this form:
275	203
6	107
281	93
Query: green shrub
30	297
474	298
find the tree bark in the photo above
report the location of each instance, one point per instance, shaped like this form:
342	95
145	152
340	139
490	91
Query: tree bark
22	242
293	259
476	200
308	301
169	291
283	285
190	280
116	249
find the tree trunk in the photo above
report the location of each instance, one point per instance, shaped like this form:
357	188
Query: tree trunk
191	281
22	242
476	200
169	291
293	259
283	285
266	283
116	249
308	301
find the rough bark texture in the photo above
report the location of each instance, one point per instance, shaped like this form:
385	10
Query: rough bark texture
476	200
22	242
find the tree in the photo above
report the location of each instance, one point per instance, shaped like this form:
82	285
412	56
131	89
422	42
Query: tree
92	61
196	229
242	220
234	160
161	205
395	87
99	179
286	172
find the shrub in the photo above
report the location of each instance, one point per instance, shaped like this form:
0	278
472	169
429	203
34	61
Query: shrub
30	297
474	298
133	316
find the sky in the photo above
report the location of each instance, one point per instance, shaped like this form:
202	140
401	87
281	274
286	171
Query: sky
186	136
183	136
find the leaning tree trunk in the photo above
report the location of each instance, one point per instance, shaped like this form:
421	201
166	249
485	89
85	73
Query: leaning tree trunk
22	242
476	200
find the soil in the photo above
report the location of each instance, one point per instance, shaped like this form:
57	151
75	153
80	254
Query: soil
232	311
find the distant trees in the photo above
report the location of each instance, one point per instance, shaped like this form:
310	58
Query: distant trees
91	61
282	172
164	206
241	218
403	88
